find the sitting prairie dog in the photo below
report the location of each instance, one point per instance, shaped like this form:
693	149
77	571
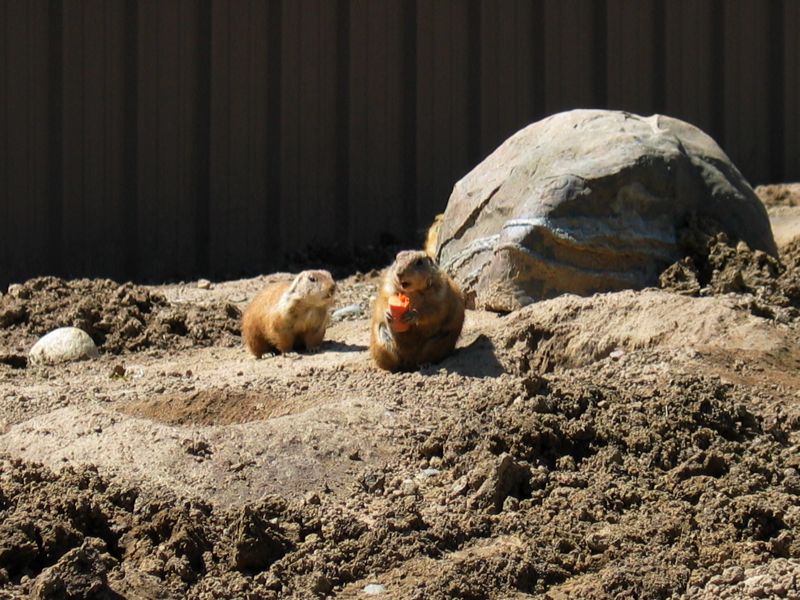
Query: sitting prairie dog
432	323
289	315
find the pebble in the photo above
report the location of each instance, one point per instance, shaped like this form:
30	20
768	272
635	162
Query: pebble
373	481
408	488
204	284
460	486
374	589
351	310
64	344
431	472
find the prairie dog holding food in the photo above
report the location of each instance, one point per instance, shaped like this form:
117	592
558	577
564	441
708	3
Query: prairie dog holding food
426	328
286	315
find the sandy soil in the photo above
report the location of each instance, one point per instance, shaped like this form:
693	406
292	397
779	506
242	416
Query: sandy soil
630	445
783	206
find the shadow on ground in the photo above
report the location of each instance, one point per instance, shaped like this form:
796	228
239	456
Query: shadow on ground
478	359
333	346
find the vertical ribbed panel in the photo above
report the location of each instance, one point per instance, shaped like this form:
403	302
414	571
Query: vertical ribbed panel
170	138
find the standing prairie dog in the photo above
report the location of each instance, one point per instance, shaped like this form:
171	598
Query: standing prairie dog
432	323
289	315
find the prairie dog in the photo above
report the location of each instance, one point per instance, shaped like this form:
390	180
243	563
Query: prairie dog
286	316
432	239
435	315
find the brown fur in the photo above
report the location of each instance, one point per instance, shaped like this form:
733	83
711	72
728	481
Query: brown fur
435	326
286	316
432	239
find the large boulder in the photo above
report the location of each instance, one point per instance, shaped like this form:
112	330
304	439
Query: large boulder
590	201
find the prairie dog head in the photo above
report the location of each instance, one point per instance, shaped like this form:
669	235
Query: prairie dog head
413	271
313	288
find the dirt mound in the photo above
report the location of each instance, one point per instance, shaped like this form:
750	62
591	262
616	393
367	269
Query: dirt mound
79	535
790	278
781	194
572	331
714	264
783	207
604	458
118	317
589	484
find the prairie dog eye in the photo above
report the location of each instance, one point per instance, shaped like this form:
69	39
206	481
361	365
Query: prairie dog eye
419	262
312	278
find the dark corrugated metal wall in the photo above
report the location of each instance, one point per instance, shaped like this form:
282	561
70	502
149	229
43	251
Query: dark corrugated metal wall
169	138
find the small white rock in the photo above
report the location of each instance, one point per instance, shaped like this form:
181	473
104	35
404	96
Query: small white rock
460	486
351	310
64	344
617	354
409	488
374	589
204	284
430	472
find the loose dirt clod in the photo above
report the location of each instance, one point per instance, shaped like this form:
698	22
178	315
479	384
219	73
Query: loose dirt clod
714	264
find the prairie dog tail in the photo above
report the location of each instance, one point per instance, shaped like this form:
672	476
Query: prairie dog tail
432	239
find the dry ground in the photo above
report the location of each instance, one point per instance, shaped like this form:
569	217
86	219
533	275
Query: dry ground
629	445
